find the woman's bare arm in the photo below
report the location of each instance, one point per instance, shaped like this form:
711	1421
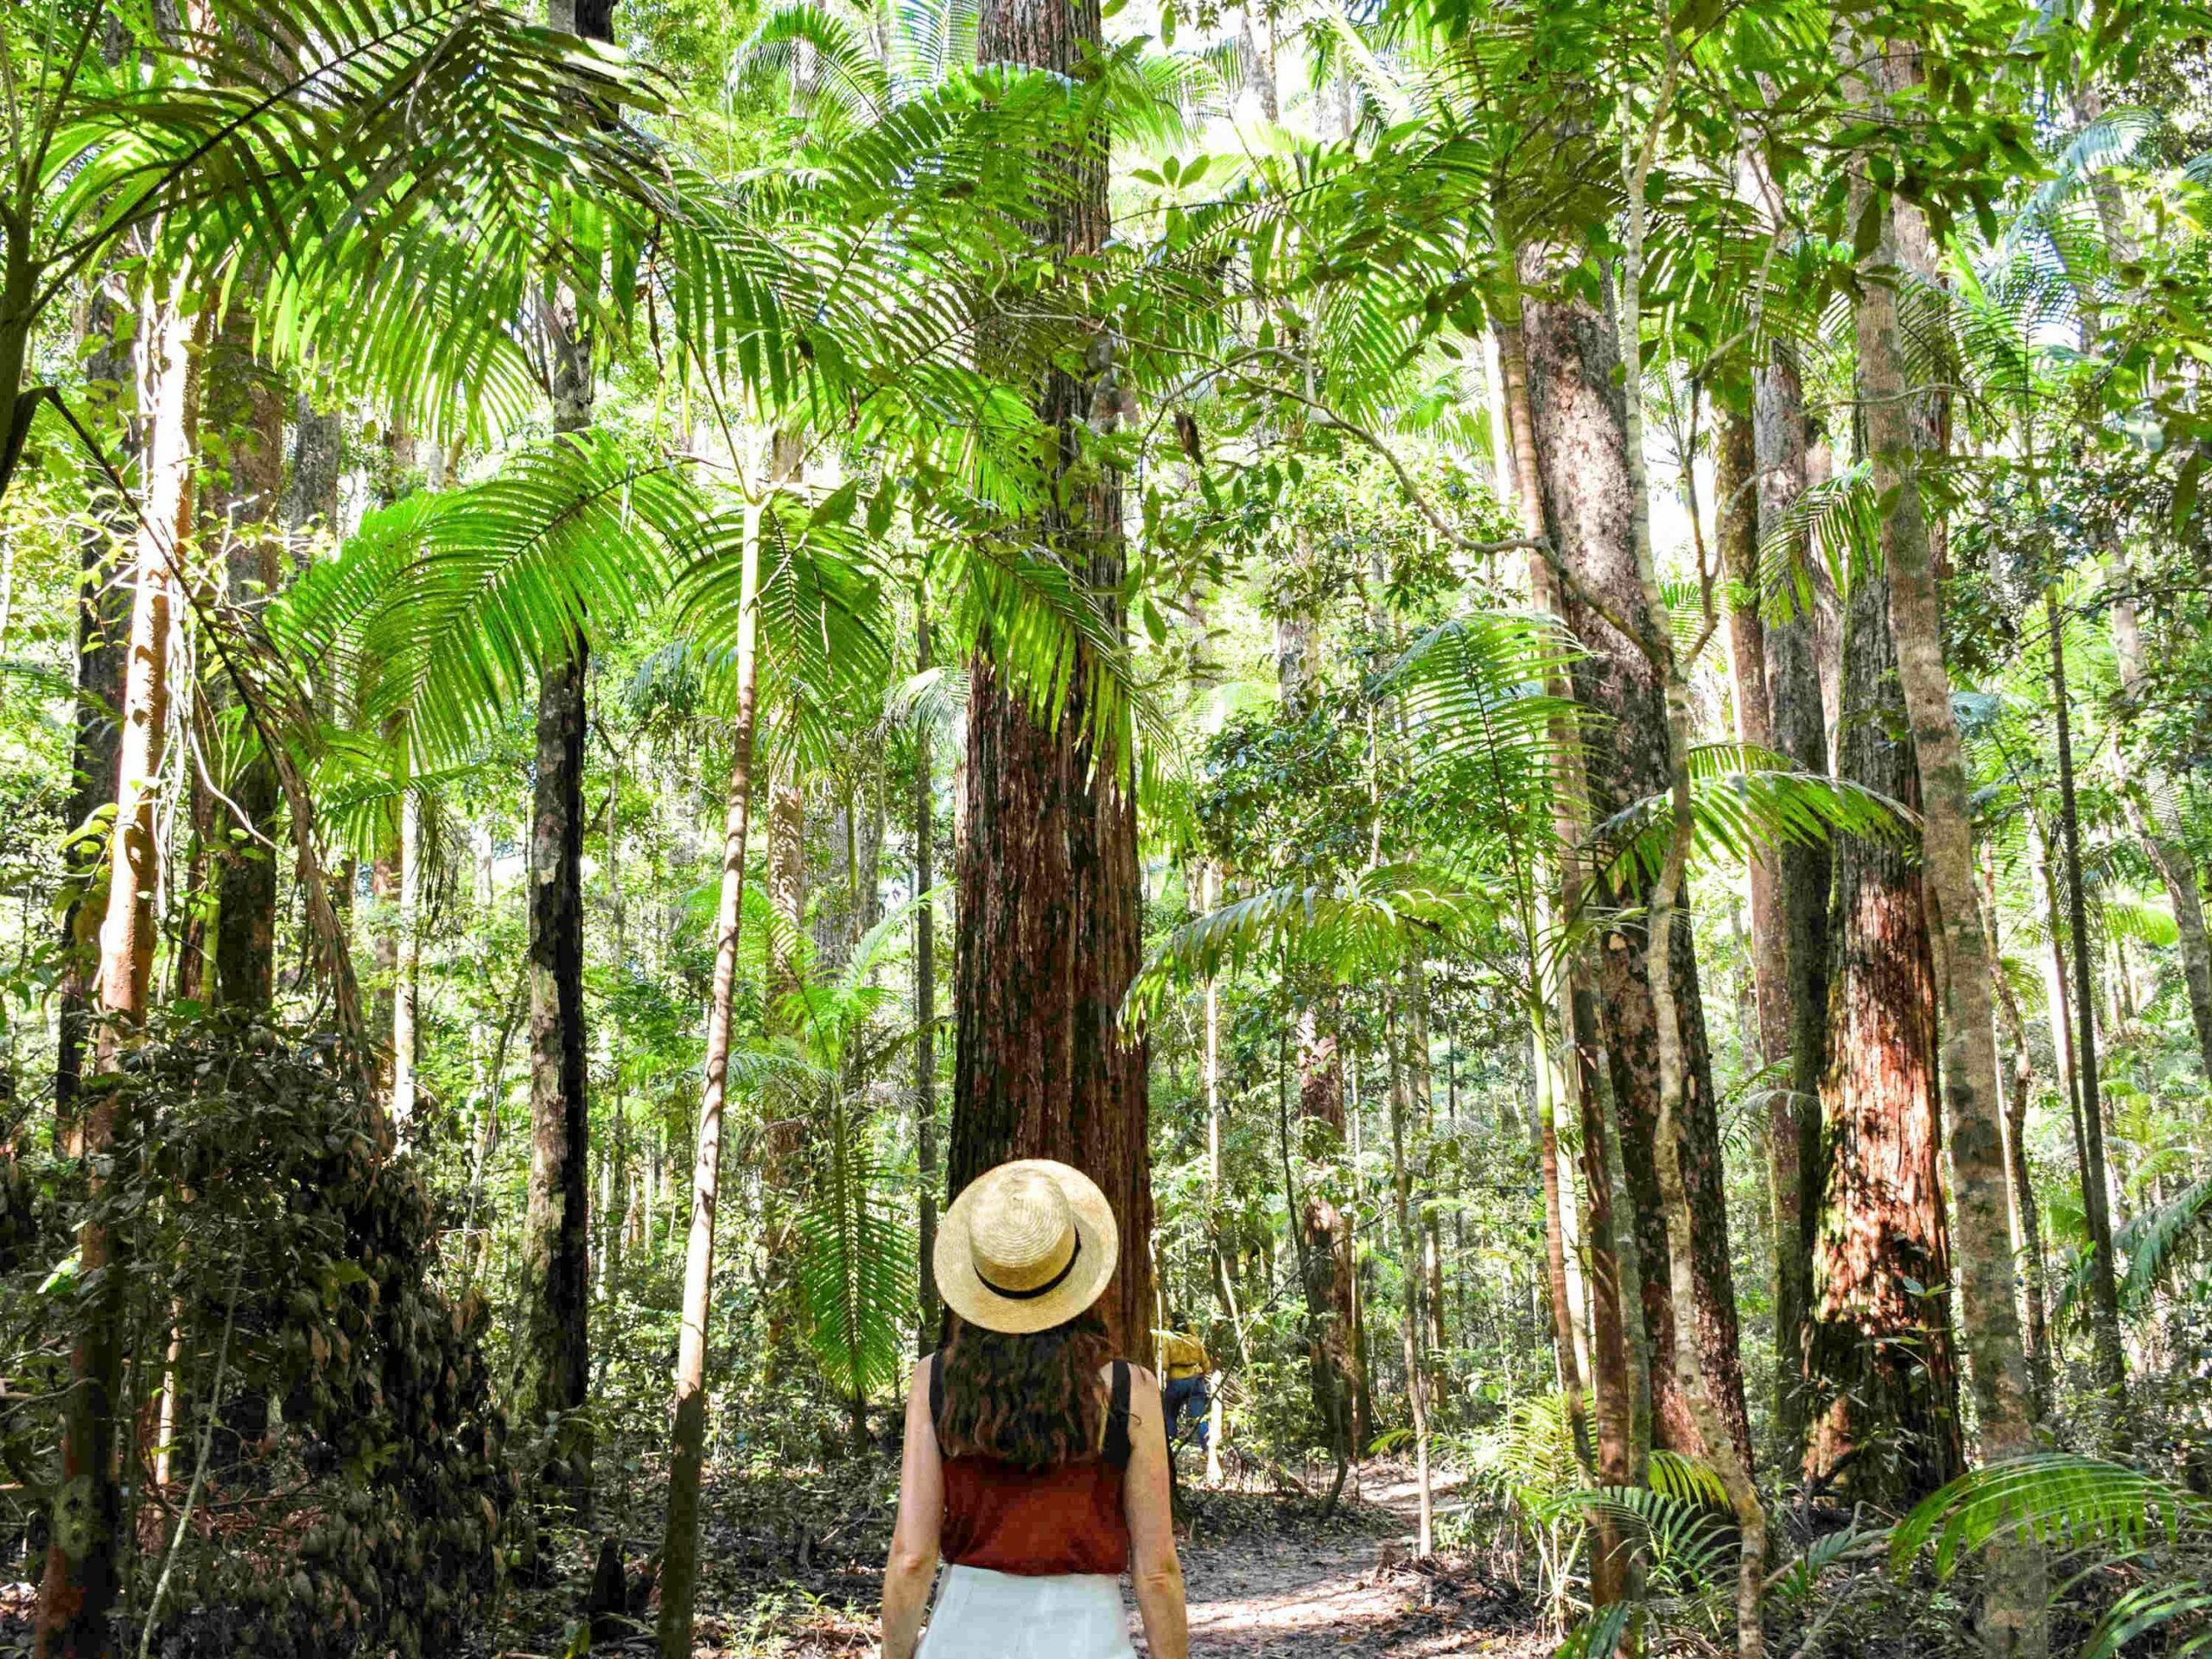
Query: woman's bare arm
912	1565
1153	1568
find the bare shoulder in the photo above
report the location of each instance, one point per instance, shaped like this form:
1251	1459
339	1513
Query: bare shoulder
1139	1377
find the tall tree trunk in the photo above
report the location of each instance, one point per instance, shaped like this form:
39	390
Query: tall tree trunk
784	1138
679	1575
2104	1290
1334	1365
1727	1447
553	1348
552	1353
408	959
82	1577
2013	1618
1411	1314
1619	1345
2028	1243
103	617
1051	890
1210	1063
1581	447
1799	724
926	1157
1736	484
242	405
2177	871
1878	1360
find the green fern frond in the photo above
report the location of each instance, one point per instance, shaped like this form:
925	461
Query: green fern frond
2052	1497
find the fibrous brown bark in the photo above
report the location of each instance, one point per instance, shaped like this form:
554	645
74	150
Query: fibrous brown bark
1878	1359
1579	427
1051	890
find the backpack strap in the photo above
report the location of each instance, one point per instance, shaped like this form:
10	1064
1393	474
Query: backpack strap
1116	1452
936	1388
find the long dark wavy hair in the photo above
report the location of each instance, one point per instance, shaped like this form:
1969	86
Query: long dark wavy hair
1033	1401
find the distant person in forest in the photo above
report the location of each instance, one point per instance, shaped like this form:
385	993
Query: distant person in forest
1035	1464
1185	1368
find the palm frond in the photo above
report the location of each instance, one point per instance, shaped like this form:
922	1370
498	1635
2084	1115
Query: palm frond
2052	1497
857	1273
1362	926
1742	796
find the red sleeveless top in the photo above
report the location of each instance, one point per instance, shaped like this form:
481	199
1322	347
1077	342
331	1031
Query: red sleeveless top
1067	1518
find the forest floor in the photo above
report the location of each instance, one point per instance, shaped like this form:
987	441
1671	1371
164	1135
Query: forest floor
1266	1576
792	1568
1351	1589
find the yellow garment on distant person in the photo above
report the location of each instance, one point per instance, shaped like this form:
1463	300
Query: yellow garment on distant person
1181	1356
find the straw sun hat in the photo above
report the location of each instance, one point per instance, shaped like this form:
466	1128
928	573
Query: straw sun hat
1025	1246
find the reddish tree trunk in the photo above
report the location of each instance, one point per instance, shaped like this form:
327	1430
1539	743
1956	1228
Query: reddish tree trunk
1051	891
1880	1368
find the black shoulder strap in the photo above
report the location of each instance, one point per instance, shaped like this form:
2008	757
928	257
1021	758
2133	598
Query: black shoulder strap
1116	1449
936	1387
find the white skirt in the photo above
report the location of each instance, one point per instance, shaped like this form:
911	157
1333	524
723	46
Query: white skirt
985	1615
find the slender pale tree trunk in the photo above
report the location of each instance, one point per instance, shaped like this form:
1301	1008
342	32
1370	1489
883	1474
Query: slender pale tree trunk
1799	725
2019	1084
2014	1620
679	1575
2104	1288
77	1594
103	619
1736	483
1411	1314
925	1156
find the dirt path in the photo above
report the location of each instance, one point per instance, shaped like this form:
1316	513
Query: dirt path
1292	1597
